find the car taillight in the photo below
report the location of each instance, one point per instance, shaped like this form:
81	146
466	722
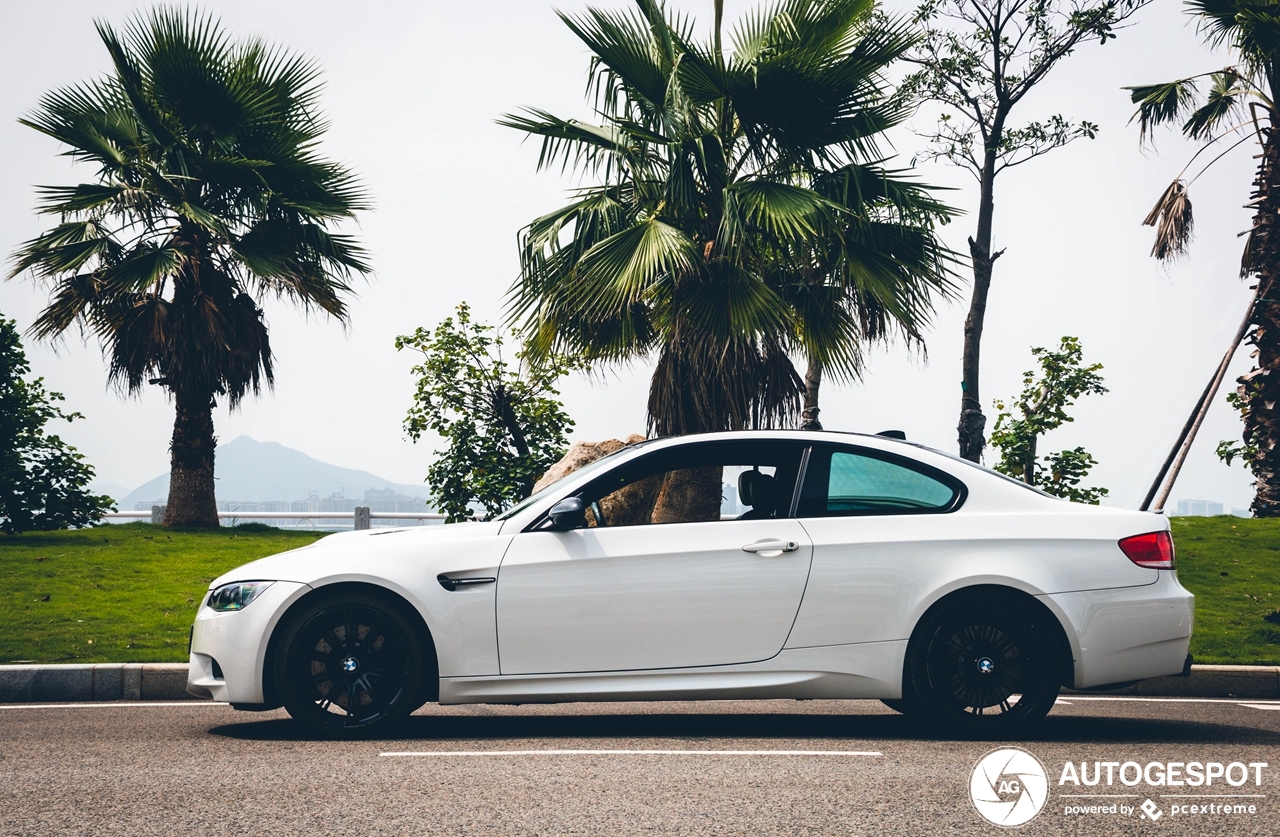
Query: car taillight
1153	550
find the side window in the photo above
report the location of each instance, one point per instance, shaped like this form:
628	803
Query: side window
698	483
843	482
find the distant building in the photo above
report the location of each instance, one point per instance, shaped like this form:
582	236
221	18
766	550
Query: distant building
1198	508
387	500
378	500
250	506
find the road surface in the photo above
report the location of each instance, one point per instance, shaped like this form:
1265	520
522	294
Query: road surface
723	767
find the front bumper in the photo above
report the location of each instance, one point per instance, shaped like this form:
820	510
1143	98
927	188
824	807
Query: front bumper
229	649
1131	633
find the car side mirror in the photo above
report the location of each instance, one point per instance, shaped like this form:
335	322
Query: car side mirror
569	513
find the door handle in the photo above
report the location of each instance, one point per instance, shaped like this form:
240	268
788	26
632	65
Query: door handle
771	547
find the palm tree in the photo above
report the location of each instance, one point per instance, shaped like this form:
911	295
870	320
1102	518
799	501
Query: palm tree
209	195
1239	105
741	210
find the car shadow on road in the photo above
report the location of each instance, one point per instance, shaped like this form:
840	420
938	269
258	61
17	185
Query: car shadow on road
762	728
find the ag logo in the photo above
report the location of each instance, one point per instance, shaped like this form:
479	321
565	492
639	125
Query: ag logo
1008	787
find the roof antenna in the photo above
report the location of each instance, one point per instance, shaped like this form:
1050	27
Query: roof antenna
893	434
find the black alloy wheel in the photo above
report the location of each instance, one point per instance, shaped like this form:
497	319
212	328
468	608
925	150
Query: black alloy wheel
985	666
351	664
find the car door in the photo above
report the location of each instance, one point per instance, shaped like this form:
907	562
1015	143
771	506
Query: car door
698	590
880	525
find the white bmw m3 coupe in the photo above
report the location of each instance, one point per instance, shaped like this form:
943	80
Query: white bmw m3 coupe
756	564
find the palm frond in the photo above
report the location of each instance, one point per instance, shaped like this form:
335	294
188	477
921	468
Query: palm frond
1225	100
1160	104
1174	222
623	42
742	210
569	141
1217	19
208	168
620	270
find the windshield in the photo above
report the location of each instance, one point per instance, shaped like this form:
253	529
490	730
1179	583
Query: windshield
589	468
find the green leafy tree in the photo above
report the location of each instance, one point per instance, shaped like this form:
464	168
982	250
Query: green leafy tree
504	426
740	211
979	59
1224	110
43	480
209	194
1041	407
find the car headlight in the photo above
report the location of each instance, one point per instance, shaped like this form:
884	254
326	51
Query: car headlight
236	596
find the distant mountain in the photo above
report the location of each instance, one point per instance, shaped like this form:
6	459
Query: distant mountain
110	489
257	472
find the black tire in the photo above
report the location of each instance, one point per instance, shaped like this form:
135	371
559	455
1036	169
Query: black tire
985	666
350	664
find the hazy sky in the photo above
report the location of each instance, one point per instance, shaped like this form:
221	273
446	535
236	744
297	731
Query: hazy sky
412	93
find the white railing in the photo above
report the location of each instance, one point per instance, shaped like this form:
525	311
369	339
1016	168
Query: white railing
354	516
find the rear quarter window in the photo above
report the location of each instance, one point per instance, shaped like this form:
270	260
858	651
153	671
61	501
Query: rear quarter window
847	482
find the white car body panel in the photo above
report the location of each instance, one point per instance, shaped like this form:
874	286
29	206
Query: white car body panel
867	670
894	581
616	599
585	615
236	637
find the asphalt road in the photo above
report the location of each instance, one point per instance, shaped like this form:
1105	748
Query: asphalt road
201	769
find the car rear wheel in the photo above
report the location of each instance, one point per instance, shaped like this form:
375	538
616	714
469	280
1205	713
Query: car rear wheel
350	664
986	666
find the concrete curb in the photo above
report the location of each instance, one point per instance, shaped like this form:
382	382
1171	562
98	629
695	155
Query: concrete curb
1248	682
168	681
102	681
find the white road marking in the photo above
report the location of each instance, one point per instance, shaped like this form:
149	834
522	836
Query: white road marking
1061	702
635	753
111	704
1163	700
1262	705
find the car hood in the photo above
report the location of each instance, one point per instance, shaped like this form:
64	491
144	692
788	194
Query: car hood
299	564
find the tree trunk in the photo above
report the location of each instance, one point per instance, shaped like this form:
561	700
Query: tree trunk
1261	386
972	421
690	495
507	415
1029	463
812	382
191	498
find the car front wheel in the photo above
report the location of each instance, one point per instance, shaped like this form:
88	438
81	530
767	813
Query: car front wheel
350	664
987	666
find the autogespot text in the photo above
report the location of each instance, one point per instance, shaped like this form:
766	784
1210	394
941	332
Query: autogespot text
1174	775
1161	774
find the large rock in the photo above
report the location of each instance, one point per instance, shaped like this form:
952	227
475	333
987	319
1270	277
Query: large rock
583	453
629	506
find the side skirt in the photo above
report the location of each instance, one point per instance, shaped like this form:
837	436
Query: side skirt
869	670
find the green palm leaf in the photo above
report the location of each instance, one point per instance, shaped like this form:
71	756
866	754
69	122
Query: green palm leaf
741	212
209	185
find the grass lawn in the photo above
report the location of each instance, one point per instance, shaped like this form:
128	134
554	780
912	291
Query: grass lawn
129	593
1232	564
117	594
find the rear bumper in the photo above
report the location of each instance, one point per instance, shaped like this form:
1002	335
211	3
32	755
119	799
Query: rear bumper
234	645
1128	634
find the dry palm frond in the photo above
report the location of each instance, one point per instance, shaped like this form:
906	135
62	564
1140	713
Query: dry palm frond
1172	218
